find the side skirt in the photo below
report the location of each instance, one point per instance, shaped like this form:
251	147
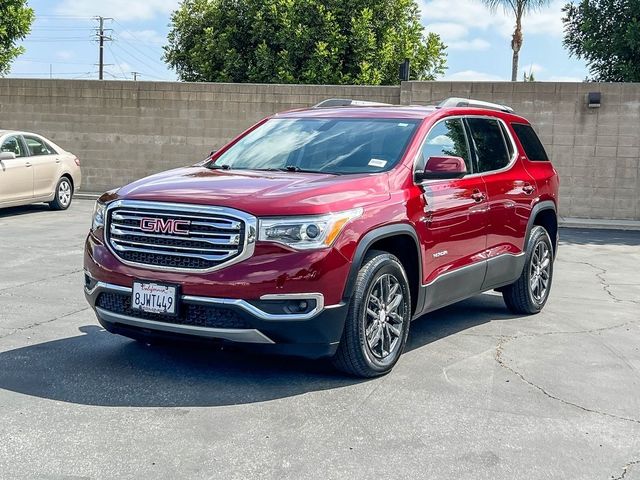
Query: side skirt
471	280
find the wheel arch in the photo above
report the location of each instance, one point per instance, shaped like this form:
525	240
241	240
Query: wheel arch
544	214
400	240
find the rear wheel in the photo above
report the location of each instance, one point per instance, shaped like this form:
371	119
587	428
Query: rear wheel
530	292
63	194
378	319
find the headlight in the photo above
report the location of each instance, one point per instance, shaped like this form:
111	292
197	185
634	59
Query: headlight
307	232
98	216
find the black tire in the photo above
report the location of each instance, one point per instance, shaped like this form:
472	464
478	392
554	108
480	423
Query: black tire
520	297
381	273
63	194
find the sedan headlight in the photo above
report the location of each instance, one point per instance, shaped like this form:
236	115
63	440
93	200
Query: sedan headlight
306	232
98	216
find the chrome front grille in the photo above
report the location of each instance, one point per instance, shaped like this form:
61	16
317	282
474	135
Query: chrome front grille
178	237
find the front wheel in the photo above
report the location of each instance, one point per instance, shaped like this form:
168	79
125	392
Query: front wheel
63	195
378	319
530	292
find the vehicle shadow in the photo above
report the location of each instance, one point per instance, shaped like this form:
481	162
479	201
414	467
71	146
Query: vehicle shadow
98	368
579	236
24	210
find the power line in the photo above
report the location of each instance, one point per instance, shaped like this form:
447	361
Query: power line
136	58
124	75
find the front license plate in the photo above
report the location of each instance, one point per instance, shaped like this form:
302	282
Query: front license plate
154	298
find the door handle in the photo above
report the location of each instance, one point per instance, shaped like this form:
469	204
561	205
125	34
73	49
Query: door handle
28	164
528	188
478	196
57	160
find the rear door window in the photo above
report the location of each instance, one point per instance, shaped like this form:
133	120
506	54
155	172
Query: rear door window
530	142
38	146
489	144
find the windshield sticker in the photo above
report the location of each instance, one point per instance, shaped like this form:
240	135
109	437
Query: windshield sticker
376	162
403	124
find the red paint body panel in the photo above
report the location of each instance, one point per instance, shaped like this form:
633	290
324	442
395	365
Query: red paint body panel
446	214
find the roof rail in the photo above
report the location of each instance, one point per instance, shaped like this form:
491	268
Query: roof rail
348	102
468	102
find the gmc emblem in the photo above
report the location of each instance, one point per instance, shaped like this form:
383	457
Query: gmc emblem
165	225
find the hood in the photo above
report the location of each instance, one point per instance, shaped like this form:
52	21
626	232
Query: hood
261	193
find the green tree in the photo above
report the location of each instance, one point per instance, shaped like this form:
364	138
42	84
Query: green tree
301	41
605	33
519	8
15	24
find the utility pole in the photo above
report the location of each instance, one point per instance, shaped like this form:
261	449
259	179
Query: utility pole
101	39
135	76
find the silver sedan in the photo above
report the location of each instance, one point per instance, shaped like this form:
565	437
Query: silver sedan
34	169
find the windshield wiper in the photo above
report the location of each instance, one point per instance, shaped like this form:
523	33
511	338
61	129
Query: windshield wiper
215	166
295	168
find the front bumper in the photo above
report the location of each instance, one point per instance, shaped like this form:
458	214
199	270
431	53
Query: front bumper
312	334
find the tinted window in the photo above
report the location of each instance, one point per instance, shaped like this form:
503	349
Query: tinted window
331	145
530	142
38	147
446	138
13	145
489	143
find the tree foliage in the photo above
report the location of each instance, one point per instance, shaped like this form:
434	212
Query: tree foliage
301	41
605	33
15	24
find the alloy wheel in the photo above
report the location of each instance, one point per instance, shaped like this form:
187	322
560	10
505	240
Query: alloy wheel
540	272
383	322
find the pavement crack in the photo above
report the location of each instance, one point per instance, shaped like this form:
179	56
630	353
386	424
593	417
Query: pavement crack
606	286
37	324
13	287
500	360
625	470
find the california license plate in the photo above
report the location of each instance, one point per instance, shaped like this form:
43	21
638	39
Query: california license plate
154	298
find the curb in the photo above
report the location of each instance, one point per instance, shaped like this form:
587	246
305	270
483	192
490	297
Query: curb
599	224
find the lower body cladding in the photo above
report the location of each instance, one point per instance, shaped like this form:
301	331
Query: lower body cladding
289	324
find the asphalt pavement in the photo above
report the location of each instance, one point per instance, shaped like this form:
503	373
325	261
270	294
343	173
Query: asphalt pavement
479	394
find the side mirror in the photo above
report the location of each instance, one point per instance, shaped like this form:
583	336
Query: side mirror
7	156
442	167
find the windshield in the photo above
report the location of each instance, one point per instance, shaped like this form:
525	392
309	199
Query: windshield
323	145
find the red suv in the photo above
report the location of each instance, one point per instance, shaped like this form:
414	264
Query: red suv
324	232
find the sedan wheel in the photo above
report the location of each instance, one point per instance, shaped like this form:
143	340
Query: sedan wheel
63	195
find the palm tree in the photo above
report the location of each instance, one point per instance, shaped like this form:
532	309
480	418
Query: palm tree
519	8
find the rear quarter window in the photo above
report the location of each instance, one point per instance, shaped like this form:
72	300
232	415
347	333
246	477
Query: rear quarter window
530	142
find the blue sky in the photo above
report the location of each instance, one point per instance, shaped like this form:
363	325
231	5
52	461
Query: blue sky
63	40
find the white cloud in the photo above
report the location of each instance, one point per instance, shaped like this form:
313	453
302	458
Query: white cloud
476	44
473	14
150	37
532	68
472	76
448	31
64	55
122	10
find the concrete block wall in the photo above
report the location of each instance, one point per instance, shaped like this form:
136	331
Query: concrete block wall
595	150
125	130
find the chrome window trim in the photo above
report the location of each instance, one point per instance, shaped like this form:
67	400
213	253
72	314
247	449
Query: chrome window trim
235	302
248	246
512	161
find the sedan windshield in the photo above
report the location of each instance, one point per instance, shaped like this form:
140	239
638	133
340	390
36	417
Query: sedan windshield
322	145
